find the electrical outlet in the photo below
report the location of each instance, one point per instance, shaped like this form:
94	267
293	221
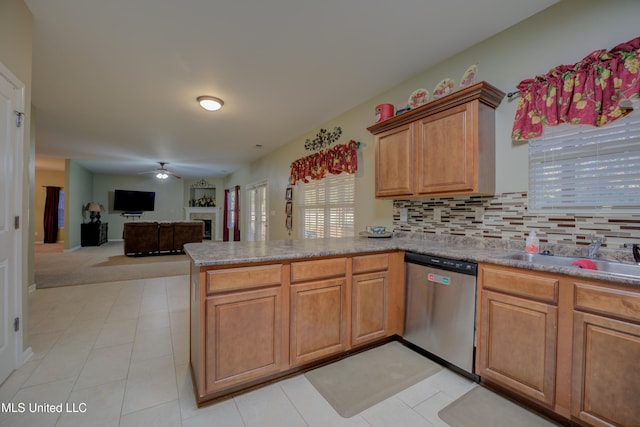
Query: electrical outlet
479	213
404	214
436	214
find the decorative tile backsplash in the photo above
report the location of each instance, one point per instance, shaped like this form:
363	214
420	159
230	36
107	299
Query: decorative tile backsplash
505	216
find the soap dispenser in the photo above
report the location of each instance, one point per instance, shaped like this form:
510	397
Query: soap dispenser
532	243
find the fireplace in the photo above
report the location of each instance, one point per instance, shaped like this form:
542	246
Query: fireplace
207	229
211	217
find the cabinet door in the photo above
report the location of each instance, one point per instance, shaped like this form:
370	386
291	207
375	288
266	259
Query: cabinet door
394	162
243	337
445	151
369	307
606	371
104	233
90	234
318	320
517	344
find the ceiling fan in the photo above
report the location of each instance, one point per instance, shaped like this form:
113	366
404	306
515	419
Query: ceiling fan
162	173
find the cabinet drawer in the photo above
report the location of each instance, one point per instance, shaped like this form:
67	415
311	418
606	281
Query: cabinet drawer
370	263
318	269
244	277
614	302
522	284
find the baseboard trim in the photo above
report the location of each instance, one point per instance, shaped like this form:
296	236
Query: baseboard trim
25	356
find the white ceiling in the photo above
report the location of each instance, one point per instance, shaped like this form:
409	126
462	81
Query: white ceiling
115	82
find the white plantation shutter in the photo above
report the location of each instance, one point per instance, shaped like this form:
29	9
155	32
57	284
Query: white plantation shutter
326	207
257	211
586	169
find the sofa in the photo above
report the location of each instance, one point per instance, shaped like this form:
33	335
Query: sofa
160	237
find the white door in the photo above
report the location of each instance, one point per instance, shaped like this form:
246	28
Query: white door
11	101
257	206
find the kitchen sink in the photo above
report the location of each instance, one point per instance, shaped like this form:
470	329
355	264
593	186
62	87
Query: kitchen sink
608	266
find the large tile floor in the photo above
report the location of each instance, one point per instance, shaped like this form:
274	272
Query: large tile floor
118	354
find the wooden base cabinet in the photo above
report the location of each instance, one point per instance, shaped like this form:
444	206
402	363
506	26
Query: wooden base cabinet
251	323
606	357
244	337
563	343
318	320
319	309
370	298
519	345
369	307
239	326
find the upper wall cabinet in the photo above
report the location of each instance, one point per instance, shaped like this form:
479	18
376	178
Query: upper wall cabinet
444	147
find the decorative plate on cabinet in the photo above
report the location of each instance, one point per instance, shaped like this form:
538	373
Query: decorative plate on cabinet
469	76
418	97
445	87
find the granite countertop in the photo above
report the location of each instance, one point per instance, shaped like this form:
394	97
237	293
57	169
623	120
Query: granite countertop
491	251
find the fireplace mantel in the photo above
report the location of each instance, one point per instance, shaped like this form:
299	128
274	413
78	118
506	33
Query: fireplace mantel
212	213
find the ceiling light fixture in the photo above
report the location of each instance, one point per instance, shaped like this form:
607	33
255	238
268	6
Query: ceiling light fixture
210	103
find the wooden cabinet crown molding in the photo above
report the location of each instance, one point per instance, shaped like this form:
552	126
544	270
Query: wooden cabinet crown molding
483	91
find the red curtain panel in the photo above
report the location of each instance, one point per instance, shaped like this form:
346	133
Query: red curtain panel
51	215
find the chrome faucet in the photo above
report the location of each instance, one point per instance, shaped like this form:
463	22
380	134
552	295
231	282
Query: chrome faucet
595	245
635	248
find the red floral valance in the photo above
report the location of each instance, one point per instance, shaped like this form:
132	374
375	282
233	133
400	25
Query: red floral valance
587	92
334	160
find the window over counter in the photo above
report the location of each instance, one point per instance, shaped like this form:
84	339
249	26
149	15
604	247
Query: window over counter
587	169
326	207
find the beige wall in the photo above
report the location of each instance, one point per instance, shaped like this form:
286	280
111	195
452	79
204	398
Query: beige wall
79	184
15	54
562	34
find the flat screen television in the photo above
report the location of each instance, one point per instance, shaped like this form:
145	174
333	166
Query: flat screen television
133	201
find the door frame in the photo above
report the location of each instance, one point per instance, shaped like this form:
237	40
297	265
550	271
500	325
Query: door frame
20	356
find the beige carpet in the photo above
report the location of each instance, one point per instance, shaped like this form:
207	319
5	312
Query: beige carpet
358	382
483	408
99	264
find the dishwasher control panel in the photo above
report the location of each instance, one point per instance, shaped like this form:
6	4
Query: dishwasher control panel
448	264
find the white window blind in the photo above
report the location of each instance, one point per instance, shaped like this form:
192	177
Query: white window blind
583	168
326	207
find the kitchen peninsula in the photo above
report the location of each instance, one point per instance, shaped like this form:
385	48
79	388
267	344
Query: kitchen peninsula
261	310
264	310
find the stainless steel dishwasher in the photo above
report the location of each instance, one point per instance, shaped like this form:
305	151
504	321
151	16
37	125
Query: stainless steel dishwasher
441	310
